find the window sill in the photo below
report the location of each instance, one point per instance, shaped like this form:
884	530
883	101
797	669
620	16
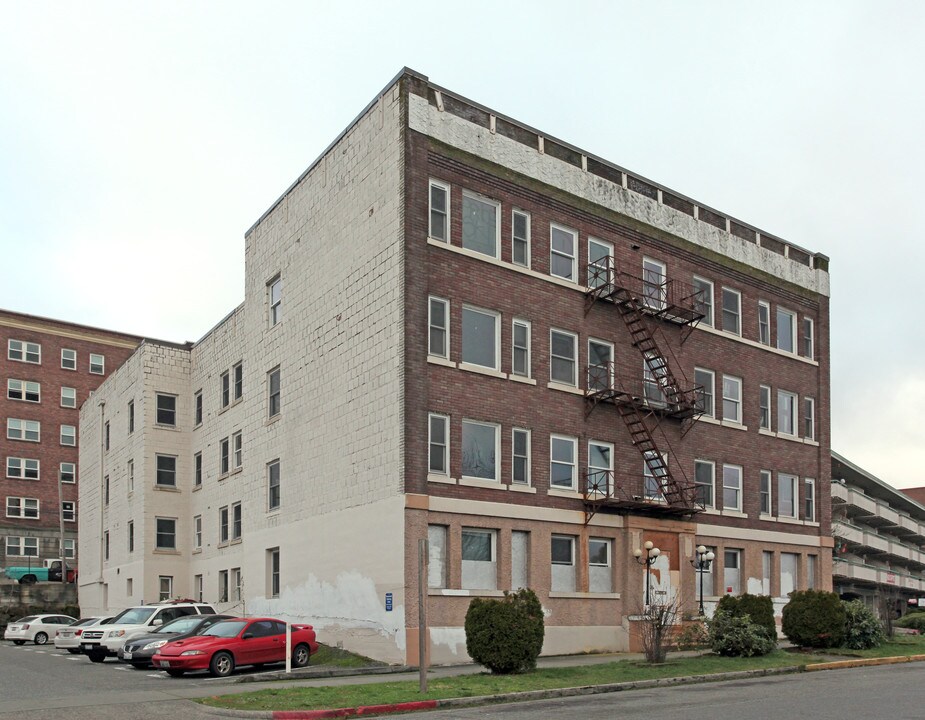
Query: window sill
165	551
791	438
788	520
559	492
522	379
235	541
197	551
521	488
710	511
561	387
166	488
765	516
733	425
437	360
444	479
230	405
733	513
482	483
448	592
271	420
709	419
161	426
197	488
479	370
765	431
554	594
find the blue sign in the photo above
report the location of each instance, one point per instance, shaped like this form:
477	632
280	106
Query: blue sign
388	602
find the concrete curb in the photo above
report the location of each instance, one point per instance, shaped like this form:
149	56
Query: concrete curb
864	662
314	673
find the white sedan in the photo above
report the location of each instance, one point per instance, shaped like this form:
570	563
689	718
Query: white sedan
68	638
35	628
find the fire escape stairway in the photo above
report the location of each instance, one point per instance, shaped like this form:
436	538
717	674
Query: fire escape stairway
676	493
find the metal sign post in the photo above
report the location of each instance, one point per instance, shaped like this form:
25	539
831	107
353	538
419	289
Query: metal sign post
422	614
288	647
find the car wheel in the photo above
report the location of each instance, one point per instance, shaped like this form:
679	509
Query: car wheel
301	655
222	664
19	642
176	673
74	651
96	657
28	580
40	638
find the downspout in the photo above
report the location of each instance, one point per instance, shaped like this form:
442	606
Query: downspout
99	578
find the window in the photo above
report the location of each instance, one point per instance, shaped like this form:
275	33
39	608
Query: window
165	587
562	551
197	588
166	471
732	487
600	263
809	418
764	407
563	353
809	500
767	562
655	474
68	397
436	558
654	283
226	388
166	413
28	430
520	362
789	581
600	578
732	399
704	471
732	560
197	469
480	337
765	492
24	352
273	572
520	238
520	557
67	472
600	365
806	342
563	244
23	390
68	359
97	364
131	416
704	574
703	299
480	450
130	475
273	393
520	452
22	468
22	546
70	548
764	323
439	443
705	380
238	375
274	300
481	224
732	311
68	435
236	521
224	456
786	495
654	378
106	436
197	404
273	489
223	586
600	467
223	524
236	584
786	412
106	489
197	532
106	545
22	507
439	211
438	323
563	453
237	450
131	535
479	562
786	330
810	572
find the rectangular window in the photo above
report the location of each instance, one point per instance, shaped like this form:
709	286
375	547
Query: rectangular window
197	588
764	323
275	300
68	359
655	474
67	472
236	584
563	452
197	404
654	283
765	491
130	474
600	365
439	211
223	522
226	388
224	456
732	399
236	521
106	545
481	337
600	467
166	409
703	299
131	416
197	469
520	559
732	561
600	263
439	328
810	572
166	471
70	548
562	551
197	532
705	380
600	577
479	559
786	330
786	412
789	579
237	450
439	444
481	224
23	390
273	485
764	407
131	535
767	564
273	572
480	450
732	311
563	246
223	586
237	373
806	341
520	362
704	471
274	399
68	435
809	418
97	364
106	489
520	238
809	500
24	352
436	556
165	587
21	507
28	430
732	487
22	546
563	357
786	495
68	397
22	468
520	454
106	436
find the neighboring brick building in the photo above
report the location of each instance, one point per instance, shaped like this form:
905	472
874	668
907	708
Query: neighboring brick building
457	329
49	368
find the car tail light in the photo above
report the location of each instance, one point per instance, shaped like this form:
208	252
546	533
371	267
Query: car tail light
25	627
57	633
77	632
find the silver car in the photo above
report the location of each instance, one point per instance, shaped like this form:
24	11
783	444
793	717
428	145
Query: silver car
36	628
68	638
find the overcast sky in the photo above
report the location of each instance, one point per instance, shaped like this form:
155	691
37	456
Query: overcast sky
139	141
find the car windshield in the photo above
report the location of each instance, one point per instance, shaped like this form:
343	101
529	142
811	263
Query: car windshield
133	616
180	625
28	618
226	629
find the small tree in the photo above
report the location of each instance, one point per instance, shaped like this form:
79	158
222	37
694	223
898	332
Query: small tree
656	627
814	618
505	635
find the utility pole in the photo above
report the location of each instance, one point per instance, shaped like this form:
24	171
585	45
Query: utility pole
422	613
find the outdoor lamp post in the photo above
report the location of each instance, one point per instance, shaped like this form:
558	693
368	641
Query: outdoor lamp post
652	554
701	563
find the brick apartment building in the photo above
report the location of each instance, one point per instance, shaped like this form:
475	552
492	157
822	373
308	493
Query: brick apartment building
49	369
458	329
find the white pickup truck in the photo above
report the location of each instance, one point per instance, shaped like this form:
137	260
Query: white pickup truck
104	641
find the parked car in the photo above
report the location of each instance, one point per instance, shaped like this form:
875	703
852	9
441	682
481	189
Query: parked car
98	644
140	649
68	638
231	643
36	628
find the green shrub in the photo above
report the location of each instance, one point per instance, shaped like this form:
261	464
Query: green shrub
913	621
505	635
814	618
863	629
758	608
737	636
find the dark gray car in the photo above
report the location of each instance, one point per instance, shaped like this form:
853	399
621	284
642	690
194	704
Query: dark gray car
139	650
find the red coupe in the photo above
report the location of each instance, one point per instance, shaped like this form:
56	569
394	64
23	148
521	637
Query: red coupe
241	641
